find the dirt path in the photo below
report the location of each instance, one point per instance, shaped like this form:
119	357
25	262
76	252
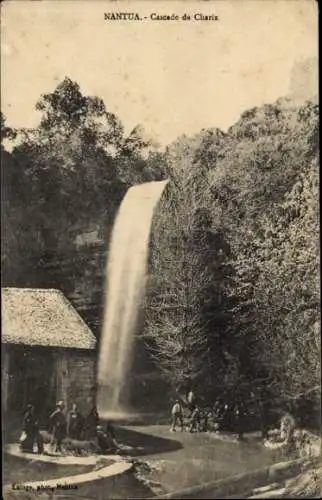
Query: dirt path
184	459
14	450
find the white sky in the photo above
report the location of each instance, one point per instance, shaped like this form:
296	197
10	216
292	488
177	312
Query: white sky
172	77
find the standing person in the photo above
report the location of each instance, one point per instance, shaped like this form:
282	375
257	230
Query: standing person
31	432
58	426
216	414
264	409
191	401
205	420
195	419
92	421
239	414
263	415
74	423
177	416
287	428
110	432
225	417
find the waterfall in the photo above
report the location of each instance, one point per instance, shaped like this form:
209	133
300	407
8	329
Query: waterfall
126	277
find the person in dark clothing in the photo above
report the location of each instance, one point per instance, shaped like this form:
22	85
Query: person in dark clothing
239	416
106	443
216	408
109	429
217	414
206	414
226	417
195	419
58	426
74	423
31	432
92	421
264	409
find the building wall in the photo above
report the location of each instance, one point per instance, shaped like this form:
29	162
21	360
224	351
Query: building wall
78	384
43	377
27	378
5	377
60	376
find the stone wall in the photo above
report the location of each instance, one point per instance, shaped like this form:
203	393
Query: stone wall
80	379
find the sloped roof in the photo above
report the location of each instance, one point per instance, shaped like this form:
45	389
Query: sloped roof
42	317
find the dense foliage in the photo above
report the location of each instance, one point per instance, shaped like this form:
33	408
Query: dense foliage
254	263
233	289
61	180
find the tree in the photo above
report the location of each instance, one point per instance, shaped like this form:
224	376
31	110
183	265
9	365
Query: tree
6	132
242	302
233	290
288	341
63	179
70	156
173	320
66	111
270	218
183	330
139	160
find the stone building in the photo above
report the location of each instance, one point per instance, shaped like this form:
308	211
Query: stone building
48	353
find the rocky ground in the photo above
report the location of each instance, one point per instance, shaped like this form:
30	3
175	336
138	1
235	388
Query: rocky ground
307	484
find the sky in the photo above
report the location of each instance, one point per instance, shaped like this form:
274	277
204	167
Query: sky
171	77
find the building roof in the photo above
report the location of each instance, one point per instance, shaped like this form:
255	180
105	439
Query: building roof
42	317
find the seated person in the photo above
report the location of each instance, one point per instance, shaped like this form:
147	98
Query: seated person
105	441
109	429
205	416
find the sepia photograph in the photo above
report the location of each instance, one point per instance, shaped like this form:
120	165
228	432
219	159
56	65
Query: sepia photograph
160	249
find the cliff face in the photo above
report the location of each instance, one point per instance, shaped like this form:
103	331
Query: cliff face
87	289
80	273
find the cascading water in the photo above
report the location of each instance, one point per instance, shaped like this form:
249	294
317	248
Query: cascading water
126	277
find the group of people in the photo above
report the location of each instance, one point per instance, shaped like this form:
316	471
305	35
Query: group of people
231	414
61	426
188	411
197	418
